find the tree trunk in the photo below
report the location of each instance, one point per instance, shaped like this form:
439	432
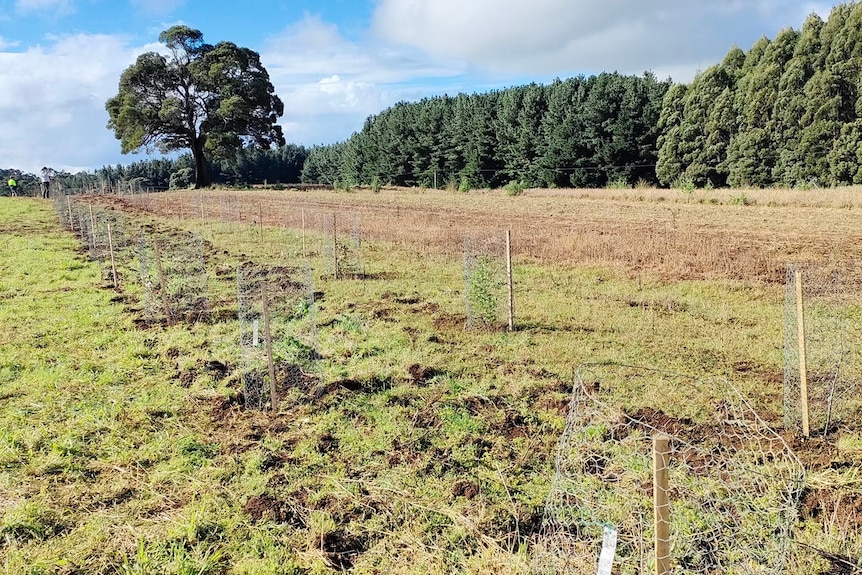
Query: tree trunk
202	175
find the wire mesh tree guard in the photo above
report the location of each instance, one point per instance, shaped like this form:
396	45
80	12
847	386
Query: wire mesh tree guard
277	332
733	483
173	270
340	244
107	236
486	285
822	338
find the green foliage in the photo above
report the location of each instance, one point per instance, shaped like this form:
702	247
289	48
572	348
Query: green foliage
340	185
482	291
514	188
686	184
376	185
618	184
208	99
541	136
739	200
182	179
784	112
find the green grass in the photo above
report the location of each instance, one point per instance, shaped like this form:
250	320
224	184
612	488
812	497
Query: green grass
424	448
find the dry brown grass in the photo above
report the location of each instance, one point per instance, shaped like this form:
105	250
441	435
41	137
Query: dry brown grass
844	197
667	233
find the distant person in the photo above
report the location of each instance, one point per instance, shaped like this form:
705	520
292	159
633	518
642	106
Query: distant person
13	186
45	181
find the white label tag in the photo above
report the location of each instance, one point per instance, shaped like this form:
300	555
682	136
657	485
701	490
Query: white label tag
609	549
255	341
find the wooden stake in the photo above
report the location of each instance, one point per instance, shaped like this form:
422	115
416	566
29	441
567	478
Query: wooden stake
162	282
335	244
260	220
201	198
302	211
92	226
661	504
510	280
81	229
267	336
803	361
111	250
71	219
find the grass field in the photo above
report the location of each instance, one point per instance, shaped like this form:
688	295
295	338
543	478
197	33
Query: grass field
421	447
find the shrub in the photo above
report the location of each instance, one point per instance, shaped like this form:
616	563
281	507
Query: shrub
481	292
740	200
342	186
685	183
617	184
514	188
182	178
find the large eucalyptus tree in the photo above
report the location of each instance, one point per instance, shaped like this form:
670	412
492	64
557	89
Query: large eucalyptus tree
209	99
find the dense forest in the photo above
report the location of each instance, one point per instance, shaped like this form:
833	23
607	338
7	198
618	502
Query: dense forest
251	165
578	132
786	113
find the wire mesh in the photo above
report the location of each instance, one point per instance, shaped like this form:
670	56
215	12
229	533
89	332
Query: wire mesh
485	281
277	331
111	243
229	208
734	483
341	243
64	208
104	233
832	331
81	223
173	271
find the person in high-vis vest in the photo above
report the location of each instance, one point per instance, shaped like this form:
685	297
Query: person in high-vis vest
13	186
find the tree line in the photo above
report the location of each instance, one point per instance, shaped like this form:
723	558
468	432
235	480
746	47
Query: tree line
786	113
582	132
251	164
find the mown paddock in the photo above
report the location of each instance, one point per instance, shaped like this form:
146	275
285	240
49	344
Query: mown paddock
609	253
675	236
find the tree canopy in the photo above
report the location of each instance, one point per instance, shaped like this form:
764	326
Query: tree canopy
786	113
574	132
209	99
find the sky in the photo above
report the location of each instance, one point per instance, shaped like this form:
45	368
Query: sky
336	62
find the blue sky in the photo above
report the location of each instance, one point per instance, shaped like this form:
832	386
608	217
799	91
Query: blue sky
335	62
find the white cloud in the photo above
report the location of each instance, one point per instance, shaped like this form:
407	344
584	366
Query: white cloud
329	84
329	110
575	36
52	102
52	106
312	49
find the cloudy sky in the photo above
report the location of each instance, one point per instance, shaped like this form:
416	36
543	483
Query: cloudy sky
335	62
